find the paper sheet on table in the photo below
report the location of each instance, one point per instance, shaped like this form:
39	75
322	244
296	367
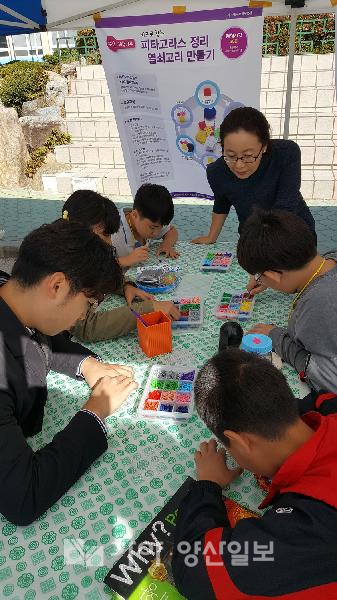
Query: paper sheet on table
193	285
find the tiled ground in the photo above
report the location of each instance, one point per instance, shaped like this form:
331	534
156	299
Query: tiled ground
19	216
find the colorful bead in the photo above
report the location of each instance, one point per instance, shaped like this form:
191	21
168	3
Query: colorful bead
245	306
151	405
155	395
182	409
168	396
185	386
187	376
170	385
183	398
166	407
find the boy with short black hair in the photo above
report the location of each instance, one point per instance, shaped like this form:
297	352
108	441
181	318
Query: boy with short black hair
60	269
291	551
101	215
279	251
150	218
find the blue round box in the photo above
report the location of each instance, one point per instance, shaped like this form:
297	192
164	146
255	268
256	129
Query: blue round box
257	343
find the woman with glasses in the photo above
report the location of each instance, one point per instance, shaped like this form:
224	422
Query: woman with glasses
253	171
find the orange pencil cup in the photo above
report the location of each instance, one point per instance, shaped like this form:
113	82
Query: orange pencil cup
156	338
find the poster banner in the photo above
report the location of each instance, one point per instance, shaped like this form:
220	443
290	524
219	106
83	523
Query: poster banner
172	79
335	50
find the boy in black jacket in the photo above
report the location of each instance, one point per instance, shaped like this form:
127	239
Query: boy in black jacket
291	552
60	270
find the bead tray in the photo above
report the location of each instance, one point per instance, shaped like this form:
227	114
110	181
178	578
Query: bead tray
191	312
217	261
238	306
169	393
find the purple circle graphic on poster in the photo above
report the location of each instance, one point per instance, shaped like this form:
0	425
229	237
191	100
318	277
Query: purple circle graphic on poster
234	42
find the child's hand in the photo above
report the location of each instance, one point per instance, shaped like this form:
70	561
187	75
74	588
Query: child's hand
109	393
169	251
254	287
138	255
131	292
93	370
167	308
211	465
262	328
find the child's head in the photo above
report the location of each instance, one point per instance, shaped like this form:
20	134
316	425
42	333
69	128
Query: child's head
152	209
275	246
246	402
93	210
64	266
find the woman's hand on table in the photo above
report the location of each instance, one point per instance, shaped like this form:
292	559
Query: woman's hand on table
168	308
262	328
131	292
109	393
214	231
204	239
254	287
211	465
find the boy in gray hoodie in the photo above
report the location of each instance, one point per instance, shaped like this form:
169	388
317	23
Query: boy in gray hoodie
279	251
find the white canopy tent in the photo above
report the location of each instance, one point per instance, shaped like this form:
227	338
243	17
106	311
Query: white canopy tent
79	13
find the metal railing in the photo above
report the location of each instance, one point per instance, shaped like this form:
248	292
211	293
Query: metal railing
86	44
314	34
75	47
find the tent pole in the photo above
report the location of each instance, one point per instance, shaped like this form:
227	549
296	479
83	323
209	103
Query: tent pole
19	16
290	71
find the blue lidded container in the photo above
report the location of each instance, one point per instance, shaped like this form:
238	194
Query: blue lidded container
259	344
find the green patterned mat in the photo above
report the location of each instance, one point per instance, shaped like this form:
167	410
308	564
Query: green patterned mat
144	465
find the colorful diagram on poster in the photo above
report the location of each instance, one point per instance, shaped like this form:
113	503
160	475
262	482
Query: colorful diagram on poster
197	122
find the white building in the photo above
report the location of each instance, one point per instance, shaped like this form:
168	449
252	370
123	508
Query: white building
34	46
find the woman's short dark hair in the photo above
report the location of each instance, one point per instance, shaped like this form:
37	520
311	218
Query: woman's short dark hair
90	209
88	263
242	392
249	119
275	240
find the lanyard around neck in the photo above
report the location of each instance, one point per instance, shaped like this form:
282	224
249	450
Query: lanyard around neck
294	302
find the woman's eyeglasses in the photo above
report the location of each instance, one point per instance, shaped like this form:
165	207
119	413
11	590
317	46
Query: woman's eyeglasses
246	158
